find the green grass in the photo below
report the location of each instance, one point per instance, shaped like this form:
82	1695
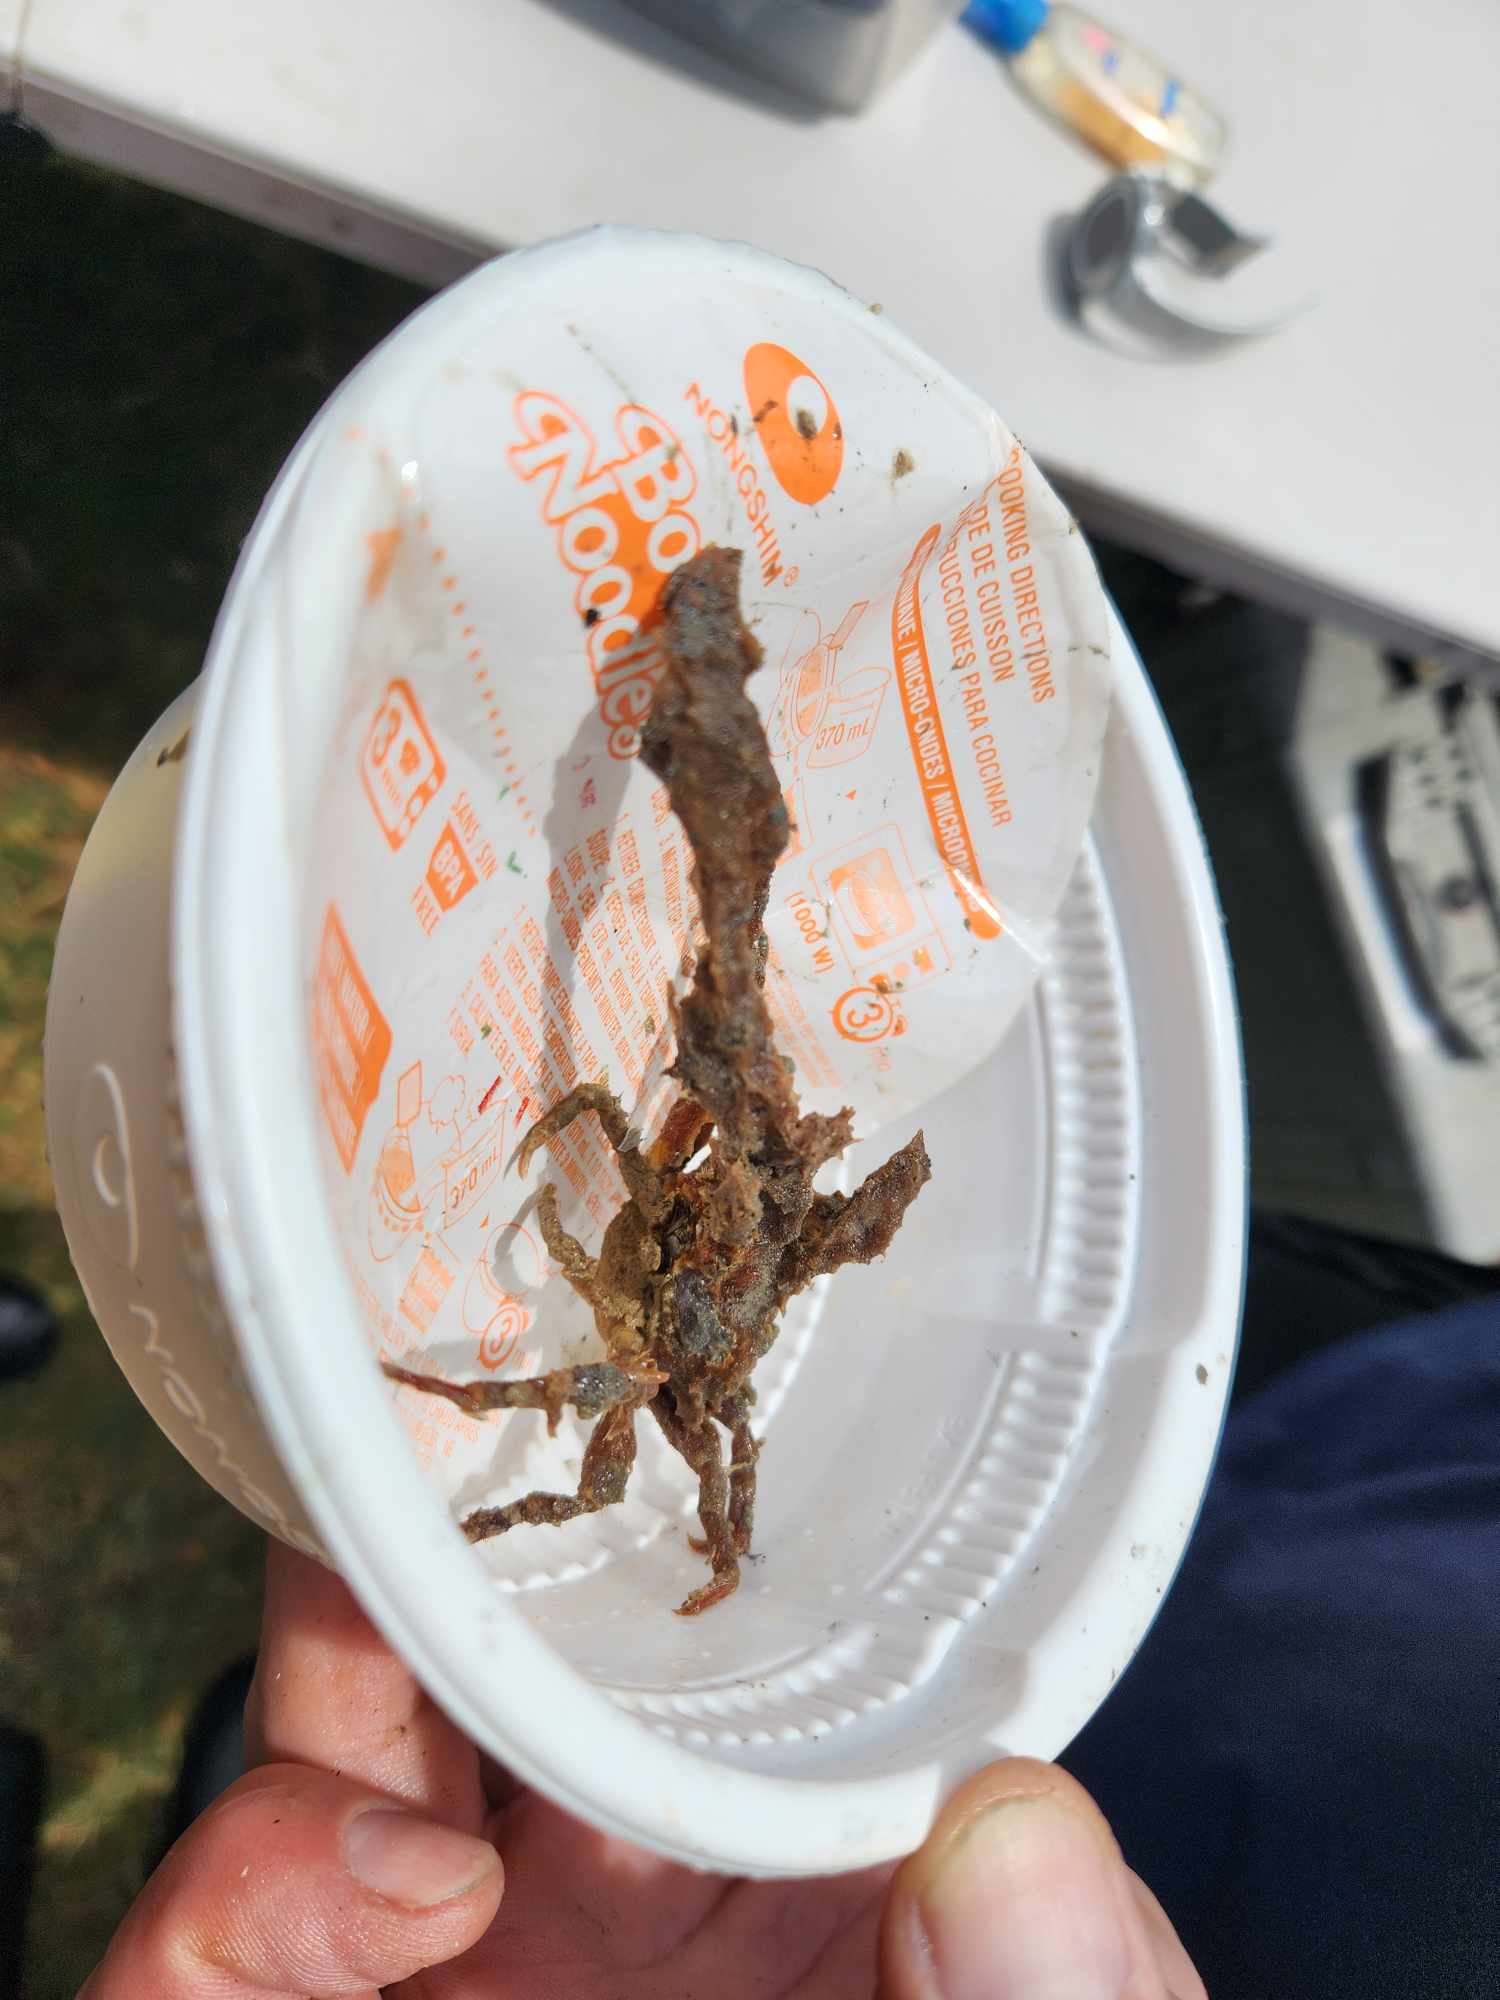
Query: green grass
160	362
125	1585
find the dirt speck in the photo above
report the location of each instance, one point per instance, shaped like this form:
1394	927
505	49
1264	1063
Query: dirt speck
807	425
1201	1372
902	463
174	752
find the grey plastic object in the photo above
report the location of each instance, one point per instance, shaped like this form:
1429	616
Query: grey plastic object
837	53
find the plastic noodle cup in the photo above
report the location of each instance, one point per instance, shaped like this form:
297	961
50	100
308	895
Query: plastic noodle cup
392	877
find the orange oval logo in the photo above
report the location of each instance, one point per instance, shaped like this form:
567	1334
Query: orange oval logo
797	423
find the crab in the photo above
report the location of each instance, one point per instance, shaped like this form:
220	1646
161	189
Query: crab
721	1224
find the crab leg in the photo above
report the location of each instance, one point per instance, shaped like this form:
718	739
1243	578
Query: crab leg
854	1229
607	1108
744	1450
592	1389
606	1472
565	1250
699	1445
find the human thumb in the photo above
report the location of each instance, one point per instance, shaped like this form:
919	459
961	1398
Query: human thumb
1020	1893
299	1882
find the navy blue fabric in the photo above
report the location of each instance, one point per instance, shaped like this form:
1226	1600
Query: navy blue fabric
1304	1759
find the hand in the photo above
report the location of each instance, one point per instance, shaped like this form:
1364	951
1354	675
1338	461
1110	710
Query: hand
362	1854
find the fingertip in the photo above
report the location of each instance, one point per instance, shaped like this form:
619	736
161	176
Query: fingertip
1019	1892
1013	1778
416	1863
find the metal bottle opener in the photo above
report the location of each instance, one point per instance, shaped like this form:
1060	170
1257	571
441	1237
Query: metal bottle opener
1155	268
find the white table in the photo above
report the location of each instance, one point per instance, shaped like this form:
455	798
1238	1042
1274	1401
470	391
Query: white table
1346	466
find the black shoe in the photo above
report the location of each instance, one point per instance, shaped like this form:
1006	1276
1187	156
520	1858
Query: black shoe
23	1774
28	1331
213	1754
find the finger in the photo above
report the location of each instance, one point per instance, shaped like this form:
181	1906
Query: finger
329	1692
1019	1893
298	1882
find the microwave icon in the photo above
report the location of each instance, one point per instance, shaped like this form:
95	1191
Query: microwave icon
872	905
878	913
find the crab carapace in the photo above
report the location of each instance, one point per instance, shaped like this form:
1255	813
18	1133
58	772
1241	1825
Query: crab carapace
721	1224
